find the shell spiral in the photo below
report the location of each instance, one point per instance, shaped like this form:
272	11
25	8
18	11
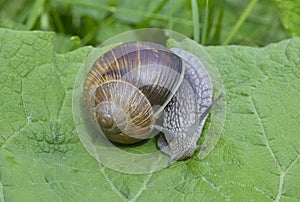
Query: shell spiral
125	83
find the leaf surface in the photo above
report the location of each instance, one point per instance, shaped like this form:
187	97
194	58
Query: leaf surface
42	159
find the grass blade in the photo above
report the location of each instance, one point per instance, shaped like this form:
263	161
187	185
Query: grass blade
240	22
206	23
195	13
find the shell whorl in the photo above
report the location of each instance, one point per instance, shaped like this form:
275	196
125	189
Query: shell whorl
126	82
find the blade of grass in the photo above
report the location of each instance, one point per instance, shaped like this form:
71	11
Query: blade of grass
57	21
218	29
205	24
195	14
44	21
240	21
155	10
35	13
214	9
171	10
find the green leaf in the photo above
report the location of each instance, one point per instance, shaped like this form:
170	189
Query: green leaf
290	15
42	159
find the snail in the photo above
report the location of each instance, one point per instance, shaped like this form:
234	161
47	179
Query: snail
130	88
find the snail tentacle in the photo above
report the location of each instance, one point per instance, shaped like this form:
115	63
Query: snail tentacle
170	134
200	147
208	109
170	161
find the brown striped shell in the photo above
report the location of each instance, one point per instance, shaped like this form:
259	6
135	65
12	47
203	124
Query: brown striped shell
125	84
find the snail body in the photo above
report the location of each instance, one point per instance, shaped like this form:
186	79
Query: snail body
131	85
186	113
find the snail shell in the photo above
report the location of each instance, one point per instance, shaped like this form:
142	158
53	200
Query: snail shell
125	83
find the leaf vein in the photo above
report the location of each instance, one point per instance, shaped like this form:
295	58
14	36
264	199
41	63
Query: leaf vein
263	193
282	173
282	176
61	104
1	193
110	182
143	187
292	164
146	181
265	135
28	118
216	188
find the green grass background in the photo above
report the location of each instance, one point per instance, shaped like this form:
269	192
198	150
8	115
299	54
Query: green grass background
209	22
